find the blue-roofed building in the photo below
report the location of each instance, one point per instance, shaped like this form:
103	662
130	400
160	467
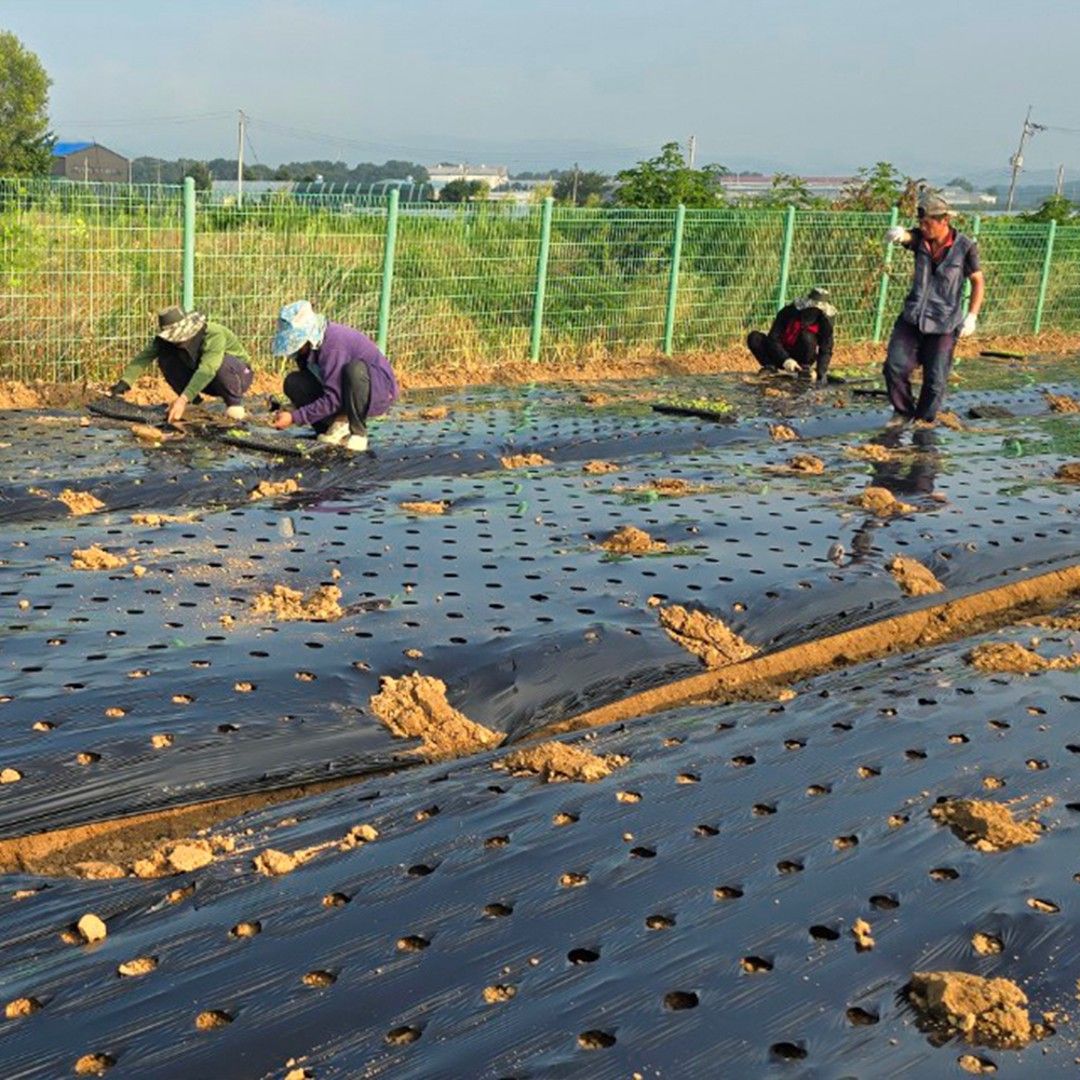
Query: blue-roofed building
89	161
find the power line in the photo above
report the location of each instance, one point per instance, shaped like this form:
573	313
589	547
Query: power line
141	121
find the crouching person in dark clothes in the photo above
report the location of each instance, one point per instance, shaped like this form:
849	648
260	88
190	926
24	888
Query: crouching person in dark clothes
341	381
195	357
933	317
800	339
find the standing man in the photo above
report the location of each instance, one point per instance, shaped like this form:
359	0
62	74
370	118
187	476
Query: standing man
933	317
800	338
342	377
195	356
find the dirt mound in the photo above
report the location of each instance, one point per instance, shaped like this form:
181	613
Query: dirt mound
289	605
271	489
881	501
706	637
986	1012
986	826
597	466
1069	471
951	421
629	540
179	857
17	395
871	452
155	520
95	558
80	502
523	461
806	463
554	761
415	707
783	433
1009	656
913	578
1062	403
421	507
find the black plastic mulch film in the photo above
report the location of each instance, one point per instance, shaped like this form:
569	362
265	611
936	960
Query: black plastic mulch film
640	966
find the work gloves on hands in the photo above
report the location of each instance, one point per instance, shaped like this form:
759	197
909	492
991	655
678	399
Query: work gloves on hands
118	388
790	365
968	327
896	234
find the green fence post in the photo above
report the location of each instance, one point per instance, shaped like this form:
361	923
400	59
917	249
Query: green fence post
976	224
387	269
673	280
785	257
541	278
883	288
188	297
1049	254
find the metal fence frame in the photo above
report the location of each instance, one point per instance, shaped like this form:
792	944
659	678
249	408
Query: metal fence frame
84	266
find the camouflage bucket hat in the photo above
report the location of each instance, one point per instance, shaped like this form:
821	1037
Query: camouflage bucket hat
176	326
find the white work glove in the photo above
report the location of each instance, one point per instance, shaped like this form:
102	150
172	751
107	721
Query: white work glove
790	365
968	327
813	374
895	234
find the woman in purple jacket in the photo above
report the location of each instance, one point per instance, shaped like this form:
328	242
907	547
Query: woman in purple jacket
342	377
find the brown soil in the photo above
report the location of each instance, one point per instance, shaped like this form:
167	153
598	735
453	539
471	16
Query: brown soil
270	489
913	578
861	931
629	540
494	995
597	466
80	502
1008	656
806	463
706	637
882	502
783	433
986	944
155	520
1069	471
20	1007
94	1064
986	826
872	452
976	1065
986	1012
907	632
289	605
424	507
523	461
555	761
951	421
415	707
95	558
147	433
1062	403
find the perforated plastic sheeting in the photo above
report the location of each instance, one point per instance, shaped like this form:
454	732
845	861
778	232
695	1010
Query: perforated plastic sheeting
695	906
506	597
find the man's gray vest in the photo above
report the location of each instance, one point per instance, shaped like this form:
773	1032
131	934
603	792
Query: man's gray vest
935	303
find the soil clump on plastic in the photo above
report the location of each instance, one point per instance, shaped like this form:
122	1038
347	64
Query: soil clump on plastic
272	489
986	1012
80	502
96	558
556	761
985	825
415	707
596	467
523	461
290	605
1013	658
1070	471
630	540
708	638
423	507
882	502
1062	403
913	578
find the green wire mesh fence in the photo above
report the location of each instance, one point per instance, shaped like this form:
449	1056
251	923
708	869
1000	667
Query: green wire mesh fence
83	268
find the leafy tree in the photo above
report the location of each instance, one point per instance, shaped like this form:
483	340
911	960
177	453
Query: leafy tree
588	185
463	191
1054	208
790	190
880	188
199	171
667	180
25	140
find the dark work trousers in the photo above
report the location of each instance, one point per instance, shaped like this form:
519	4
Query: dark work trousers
230	383
771	354
909	349
302	388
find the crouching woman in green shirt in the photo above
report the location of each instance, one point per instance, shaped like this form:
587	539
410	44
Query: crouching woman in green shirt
195	357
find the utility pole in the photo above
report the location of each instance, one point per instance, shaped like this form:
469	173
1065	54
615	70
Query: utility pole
240	160
691	150
573	198
1017	160
1059	190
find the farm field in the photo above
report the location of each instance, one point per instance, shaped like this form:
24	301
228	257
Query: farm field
560	736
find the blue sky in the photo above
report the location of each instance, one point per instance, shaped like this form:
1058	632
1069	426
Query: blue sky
821	85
